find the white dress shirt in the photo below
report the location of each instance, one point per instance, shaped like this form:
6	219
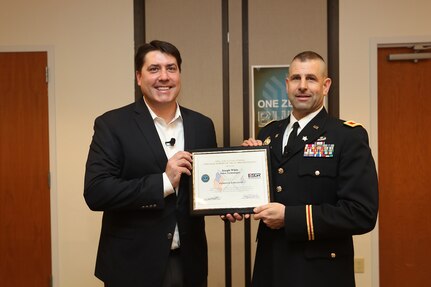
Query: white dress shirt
302	123
167	131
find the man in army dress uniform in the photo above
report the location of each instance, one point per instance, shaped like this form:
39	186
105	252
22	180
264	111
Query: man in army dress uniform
324	186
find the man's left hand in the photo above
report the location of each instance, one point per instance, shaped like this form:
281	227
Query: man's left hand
272	214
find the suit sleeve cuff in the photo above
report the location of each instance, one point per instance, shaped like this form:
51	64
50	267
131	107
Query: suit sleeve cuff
299	223
168	189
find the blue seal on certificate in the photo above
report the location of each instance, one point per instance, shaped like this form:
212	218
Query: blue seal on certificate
205	178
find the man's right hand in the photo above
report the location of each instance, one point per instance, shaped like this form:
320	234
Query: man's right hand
234	217
179	163
251	142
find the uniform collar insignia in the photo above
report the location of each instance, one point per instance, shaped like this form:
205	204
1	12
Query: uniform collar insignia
267	141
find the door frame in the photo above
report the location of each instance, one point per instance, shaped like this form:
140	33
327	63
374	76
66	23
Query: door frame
52	152
375	44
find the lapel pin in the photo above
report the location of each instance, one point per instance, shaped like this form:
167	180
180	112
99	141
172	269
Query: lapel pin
305	138
316	127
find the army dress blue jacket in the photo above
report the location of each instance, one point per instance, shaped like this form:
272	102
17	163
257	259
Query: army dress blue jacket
328	184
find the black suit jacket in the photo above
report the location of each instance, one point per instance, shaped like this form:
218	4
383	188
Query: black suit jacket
124	180
327	199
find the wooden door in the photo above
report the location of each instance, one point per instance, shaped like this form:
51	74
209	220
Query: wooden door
25	234
404	146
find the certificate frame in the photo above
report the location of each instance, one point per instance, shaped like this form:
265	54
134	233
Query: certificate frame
230	180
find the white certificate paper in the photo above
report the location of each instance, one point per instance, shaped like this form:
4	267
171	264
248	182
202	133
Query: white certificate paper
230	180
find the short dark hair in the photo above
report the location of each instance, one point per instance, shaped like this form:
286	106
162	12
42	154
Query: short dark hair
156	45
309	56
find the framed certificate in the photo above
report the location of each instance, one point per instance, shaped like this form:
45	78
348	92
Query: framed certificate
229	180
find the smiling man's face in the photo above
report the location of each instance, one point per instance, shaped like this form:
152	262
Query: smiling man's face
159	79
307	85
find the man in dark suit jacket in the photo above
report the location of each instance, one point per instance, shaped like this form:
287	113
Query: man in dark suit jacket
324	189
136	173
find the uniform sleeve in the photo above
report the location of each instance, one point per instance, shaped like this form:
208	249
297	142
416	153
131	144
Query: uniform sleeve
356	207
104	188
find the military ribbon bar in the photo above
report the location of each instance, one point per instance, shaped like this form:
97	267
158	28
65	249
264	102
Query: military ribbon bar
319	149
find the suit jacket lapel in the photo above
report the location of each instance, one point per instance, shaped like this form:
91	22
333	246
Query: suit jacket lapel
277	139
146	124
189	135
190	141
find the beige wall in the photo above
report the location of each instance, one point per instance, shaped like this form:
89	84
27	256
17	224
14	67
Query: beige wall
90	45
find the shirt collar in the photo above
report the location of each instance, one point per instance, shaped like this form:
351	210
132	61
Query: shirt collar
156	117
305	120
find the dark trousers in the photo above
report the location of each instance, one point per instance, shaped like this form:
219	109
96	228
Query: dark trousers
174	276
174	273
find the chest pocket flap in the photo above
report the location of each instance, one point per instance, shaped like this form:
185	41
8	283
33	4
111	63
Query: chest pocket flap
318	167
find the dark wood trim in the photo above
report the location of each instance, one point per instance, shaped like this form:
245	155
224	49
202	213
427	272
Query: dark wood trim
139	22
247	252
246	128
225	70
245	70
226	129
228	254
333	26
139	33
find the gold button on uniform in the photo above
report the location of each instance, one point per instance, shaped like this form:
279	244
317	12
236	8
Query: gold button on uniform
317	172
280	170
279	189
333	255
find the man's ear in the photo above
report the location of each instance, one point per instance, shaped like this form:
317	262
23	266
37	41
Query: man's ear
138	77
326	85
287	82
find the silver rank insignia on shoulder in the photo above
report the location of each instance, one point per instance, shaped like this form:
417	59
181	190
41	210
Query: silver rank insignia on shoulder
319	149
267	141
304	138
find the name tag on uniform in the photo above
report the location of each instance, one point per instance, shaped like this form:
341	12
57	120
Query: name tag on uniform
319	149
